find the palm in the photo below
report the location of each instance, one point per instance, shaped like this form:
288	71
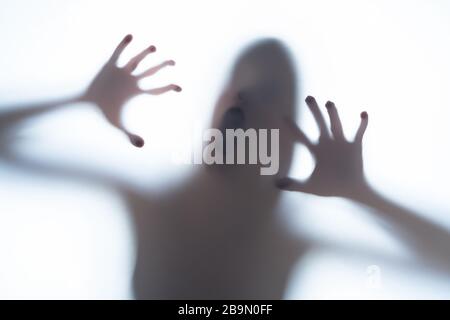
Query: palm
338	168
339	164
111	89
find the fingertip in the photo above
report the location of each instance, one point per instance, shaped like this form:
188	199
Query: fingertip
177	88
364	115
171	62
309	99
283	183
152	48
128	38
139	144
329	104
137	141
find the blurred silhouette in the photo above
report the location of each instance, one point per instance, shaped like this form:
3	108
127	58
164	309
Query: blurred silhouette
217	235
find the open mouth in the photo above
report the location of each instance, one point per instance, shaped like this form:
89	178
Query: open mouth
233	118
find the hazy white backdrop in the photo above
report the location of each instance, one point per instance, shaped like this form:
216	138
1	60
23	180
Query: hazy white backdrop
63	239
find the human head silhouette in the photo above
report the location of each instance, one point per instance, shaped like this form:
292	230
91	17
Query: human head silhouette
259	94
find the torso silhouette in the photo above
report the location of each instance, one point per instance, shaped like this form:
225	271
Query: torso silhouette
213	238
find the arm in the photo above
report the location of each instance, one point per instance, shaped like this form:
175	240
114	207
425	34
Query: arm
339	173
16	115
109	91
429	241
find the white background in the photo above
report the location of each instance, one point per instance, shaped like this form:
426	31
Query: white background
62	239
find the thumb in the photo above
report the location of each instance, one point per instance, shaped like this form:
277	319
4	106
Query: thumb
290	184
